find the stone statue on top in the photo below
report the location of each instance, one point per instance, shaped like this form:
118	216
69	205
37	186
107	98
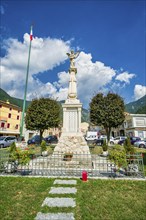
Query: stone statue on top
72	56
72	90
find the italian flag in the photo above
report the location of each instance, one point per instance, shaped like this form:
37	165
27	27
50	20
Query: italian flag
31	34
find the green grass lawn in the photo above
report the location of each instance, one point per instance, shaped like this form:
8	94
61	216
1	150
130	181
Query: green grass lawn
21	199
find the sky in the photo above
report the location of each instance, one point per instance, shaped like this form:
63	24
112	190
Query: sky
109	34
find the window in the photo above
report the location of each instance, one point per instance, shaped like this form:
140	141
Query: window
17	117
129	123
8	125
10	138
16	126
10	109
9	115
1	106
141	134
2	125
117	138
140	122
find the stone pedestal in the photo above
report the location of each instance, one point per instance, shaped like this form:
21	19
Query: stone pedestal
72	140
71	117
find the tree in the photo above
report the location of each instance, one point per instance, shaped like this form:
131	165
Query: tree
107	111
42	114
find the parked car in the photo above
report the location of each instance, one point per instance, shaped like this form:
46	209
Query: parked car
51	139
35	140
132	140
117	139
6	141
91	138
140	144
98	142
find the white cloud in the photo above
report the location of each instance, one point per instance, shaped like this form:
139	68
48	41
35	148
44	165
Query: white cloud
91	77
63	79
139	91
125	77
46	54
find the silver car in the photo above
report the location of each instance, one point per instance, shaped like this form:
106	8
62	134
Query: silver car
140	144
6	141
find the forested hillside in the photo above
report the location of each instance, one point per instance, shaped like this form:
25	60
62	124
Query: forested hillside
138	107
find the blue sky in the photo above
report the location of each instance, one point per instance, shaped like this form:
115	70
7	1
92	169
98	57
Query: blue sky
110	36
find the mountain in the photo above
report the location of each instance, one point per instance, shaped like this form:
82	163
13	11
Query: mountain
137	106
85	115
19	102
141	110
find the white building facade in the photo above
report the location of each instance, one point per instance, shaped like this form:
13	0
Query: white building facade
135	125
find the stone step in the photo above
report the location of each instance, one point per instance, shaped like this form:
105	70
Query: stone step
63	190
54	216
65	182
59	202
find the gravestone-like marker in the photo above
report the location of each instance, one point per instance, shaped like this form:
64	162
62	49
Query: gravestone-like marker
66	182
63	190
54	216
59	202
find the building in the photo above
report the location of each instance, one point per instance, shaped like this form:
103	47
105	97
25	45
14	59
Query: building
53	131
10	117
135	125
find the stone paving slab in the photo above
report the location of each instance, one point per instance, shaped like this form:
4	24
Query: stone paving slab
63	190
54	216
67	182
59	202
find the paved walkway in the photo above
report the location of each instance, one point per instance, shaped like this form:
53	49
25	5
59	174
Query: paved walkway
59	201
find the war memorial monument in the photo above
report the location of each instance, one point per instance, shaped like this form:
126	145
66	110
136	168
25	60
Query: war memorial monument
72	140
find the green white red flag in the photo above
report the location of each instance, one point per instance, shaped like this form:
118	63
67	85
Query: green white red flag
31	34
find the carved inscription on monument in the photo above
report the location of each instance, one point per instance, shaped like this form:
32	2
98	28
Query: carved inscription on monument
72	120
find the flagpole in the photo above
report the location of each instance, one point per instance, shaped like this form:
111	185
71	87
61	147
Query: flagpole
25	92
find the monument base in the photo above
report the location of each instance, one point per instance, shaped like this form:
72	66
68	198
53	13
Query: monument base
72	144
73	149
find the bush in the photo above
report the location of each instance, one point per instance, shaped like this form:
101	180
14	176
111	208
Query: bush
12	147
23	156
96	150
13	152
128	147
50	150
104	146
118	156
43	146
